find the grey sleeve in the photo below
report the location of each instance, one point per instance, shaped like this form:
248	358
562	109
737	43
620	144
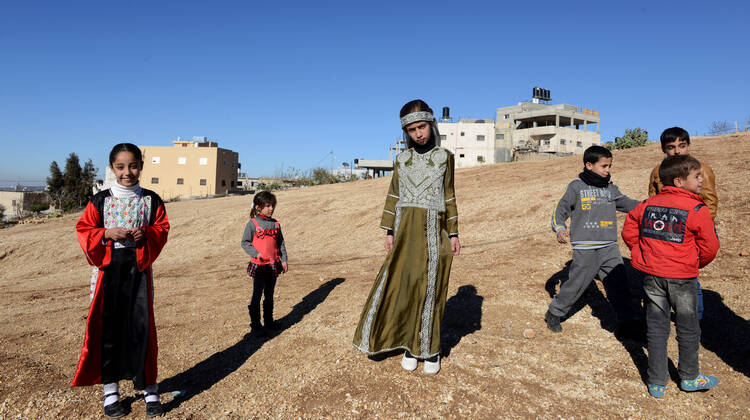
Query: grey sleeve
282	247
563	209
247	240
624	203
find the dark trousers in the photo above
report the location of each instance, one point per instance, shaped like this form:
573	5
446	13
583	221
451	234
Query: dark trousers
662	295
263	284
605	263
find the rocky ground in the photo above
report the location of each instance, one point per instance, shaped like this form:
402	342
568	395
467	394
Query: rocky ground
499	360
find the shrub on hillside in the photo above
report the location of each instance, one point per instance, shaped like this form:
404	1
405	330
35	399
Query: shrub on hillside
633	137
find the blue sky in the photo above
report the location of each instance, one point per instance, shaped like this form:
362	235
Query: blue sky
284	83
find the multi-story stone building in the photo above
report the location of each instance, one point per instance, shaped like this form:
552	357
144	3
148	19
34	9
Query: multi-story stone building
197	168
526	130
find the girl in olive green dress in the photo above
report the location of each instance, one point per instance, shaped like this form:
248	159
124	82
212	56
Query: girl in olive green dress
405	306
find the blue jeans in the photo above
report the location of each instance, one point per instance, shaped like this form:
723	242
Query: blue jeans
662	295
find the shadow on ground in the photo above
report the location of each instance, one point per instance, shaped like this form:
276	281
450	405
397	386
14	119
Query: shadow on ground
463	316
630	335
218	366
725	333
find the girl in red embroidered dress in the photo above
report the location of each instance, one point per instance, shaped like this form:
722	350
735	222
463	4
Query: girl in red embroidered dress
122	231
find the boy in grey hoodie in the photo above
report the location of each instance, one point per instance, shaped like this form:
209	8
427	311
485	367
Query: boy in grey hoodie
591	201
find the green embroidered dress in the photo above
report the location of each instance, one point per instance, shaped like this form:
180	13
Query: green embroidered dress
406	303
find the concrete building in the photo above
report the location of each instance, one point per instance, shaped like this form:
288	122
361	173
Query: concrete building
529	130
472	141
548	129
18	203
197	168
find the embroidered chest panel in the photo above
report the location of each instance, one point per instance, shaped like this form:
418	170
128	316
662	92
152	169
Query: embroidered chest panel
128	213
420	179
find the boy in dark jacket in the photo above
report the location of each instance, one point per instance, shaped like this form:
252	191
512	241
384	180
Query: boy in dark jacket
591	202
671	235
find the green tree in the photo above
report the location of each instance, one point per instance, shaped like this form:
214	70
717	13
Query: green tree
56	186
2	212
322	176
72	188
634	137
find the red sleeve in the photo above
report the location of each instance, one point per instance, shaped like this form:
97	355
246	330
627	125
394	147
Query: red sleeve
90	234
631	230
156	238
705	237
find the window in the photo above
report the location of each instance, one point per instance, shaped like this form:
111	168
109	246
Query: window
180	181
223	183
203	182
225	162
156	160
154	180
562	141
480	137
239	183
480	159
499	136
461	155
13	203
506	116
579	144
442	137
181	160
462	134
546	142
231	183
203	161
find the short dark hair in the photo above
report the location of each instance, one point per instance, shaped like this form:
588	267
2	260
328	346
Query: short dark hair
262	199
594	153
671	134
125	147
677	166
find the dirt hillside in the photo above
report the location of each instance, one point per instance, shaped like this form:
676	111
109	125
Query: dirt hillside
500	286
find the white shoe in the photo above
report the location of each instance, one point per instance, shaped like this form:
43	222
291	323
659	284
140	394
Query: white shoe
408	363
432	368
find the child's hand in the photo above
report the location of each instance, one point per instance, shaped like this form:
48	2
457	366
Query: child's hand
388	243
138	234
563	236
455	246
116	234
284	267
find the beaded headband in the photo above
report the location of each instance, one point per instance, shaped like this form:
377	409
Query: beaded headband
416	116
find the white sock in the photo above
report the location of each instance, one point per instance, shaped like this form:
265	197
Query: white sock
151	393
114	389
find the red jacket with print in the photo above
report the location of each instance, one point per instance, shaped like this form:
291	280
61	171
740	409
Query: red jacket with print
671	234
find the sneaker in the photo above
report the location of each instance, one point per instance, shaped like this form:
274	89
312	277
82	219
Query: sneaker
701	383
114	410
408	362
656	391
432	365
553	322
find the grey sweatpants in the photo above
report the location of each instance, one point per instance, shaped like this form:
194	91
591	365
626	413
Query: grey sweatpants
604	263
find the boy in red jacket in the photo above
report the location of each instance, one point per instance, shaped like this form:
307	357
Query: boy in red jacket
671	235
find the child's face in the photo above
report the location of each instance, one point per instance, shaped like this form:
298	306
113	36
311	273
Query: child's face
266	211
419	132
692	183
127	169
677	147
601	167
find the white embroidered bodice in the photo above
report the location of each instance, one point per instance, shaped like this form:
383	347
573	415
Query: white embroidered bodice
420	179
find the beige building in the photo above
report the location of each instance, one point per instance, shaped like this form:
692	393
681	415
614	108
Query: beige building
197	168
472	141
529	130
18	203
